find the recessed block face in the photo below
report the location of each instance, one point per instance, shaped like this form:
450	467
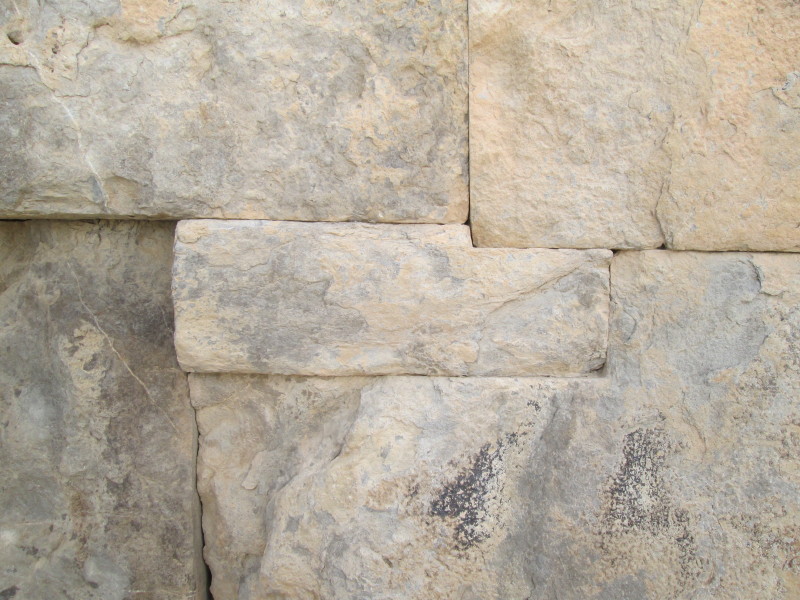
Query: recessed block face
397	487
98	438
351	299
312	111
626	126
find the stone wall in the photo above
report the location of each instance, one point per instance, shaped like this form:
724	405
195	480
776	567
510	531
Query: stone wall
487	301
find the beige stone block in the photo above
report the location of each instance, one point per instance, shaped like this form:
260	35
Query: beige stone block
98	437
395	487
674	476
351	299
312	111
626	126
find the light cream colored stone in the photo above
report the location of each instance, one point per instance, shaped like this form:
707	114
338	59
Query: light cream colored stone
569	107
735	144
262	109
629	125
675	476
352	299
397	487
98	438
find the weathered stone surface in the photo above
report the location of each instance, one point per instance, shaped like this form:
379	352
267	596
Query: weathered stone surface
397	487
685	481
735	144
352	299
283	110
676	476
601	126
97	452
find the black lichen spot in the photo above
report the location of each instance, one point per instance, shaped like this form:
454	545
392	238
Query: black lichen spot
465	498
468	498
9	592
636	493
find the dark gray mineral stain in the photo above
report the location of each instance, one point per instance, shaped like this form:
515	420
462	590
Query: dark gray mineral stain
9	592
466	499
637	499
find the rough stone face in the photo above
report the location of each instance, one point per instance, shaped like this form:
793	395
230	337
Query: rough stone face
98	438
624	126
735	144
397	487
676	476
685	481
352	299
284	110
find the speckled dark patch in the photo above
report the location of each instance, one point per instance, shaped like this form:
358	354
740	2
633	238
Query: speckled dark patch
8	593
637	499
466	499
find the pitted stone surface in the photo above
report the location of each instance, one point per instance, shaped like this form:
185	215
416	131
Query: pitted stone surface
626	126
352	299
98	438
312	111
396	487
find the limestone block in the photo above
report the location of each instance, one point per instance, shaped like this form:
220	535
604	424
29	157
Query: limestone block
629	125
351	299
569	107
309	110
685	482
675	476
396	487
98	437
735	144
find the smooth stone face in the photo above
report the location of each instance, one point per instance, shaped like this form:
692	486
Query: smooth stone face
352	299
301	111
629	125
397	487
98	438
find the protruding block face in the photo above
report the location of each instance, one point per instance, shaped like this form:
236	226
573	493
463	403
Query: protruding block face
631	125
311	111
352	299
98	437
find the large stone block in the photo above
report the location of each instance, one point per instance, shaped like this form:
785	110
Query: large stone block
312	111
628	125
675	476
352	299
396	487
98	437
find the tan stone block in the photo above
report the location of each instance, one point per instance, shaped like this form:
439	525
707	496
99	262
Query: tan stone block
352	299
300	111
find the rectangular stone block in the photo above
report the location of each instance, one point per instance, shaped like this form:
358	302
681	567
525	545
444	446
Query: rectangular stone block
631	125
396	487
312	111
98	437
351	299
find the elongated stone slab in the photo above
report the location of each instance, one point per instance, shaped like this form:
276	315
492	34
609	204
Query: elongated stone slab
98	437
350	299
311	111
631	125
395	487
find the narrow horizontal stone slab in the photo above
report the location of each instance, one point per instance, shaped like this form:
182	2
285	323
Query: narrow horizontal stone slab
350	299
306	111
632	125
364	483
98	437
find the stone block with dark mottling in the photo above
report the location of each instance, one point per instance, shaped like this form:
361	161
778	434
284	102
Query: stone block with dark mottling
97	438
